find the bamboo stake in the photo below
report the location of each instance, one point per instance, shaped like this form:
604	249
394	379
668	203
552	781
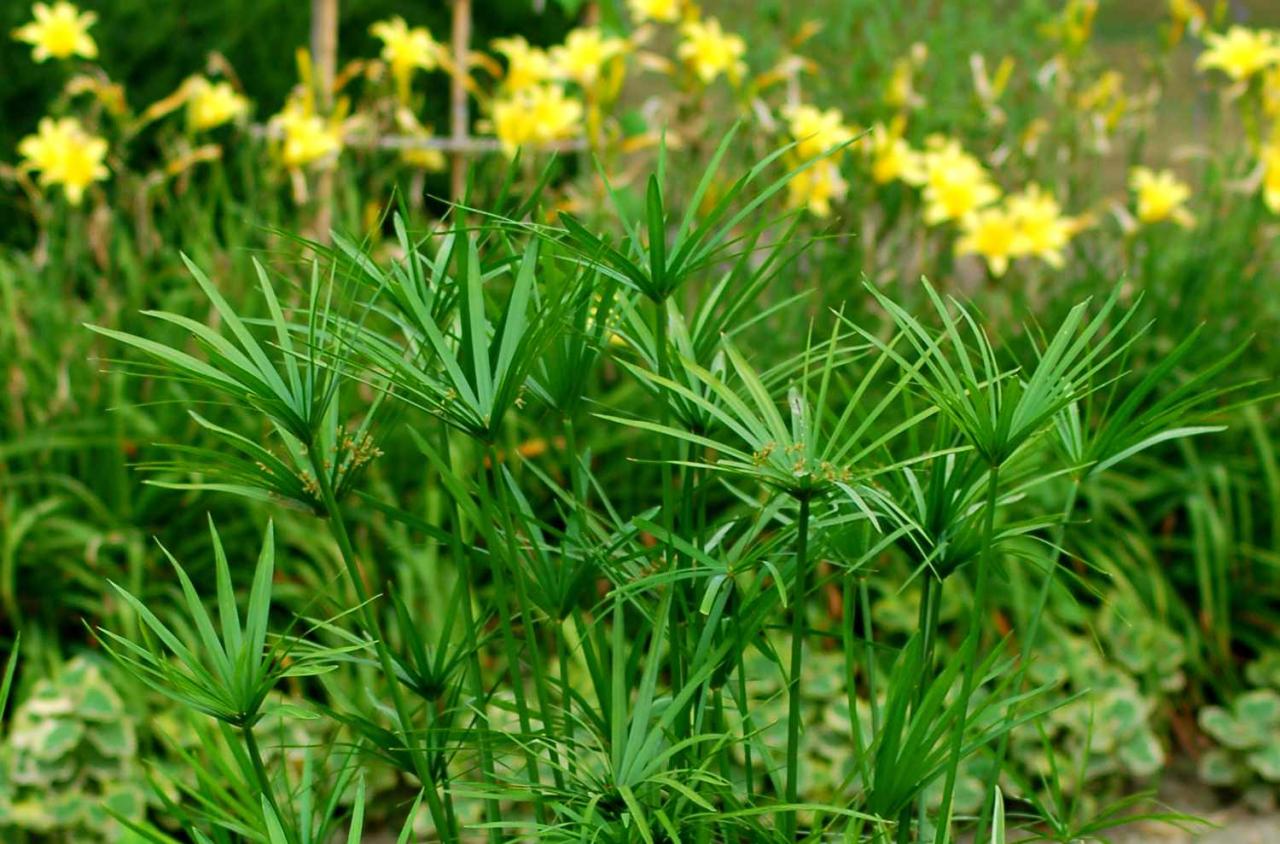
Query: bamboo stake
324	63
459	120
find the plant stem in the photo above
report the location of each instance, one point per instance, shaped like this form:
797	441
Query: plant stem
969	654
475	675
338	527
869	652
799	593
928	624
848	609
497	566
526	616
1028	644
260	770
566	695
676	629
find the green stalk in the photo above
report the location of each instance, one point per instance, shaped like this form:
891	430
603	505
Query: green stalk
800	592
676	629
928	624
566	695
1028	645
969	655
577	479
744	708
338	527
850	683
498	567
260	769
475	675
526	616
869	653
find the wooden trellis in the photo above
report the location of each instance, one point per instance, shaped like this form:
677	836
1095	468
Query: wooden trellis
459	144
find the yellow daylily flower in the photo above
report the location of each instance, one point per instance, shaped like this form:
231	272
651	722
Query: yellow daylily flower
307	137
406	49
1043	230
585	52
1073	27
536	115
1185	15
424	158
1240	53
709	51
65	154
59	31
1271	92
1105	98
816	187
1271	176
1160	196
816	131
526	66
662	11
900	93
211	104
993	234
892	158
955	183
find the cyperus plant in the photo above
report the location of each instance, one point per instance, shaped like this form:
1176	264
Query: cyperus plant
563	653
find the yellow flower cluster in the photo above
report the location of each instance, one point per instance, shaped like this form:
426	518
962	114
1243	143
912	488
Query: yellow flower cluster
584	55
306	137
534	105
1240	53
955	183
709	51
1271	176
661	11
211	104
1249	57
1027	224
815	133
406	50
65	154
526	66
538	114
59	31
892	158
1160	196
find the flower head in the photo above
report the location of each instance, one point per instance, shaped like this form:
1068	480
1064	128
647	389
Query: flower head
662	11
992	233
211	104
584	54
1160	196
63	153
526	66
892	158
59	31
816	187
816	131
406	50
1043	230
900	92
1185	15
535	115
709	51
1240	53
307	137
956	183
422	157
1271	176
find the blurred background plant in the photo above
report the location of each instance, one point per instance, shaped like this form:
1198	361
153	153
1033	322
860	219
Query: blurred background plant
1022	155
